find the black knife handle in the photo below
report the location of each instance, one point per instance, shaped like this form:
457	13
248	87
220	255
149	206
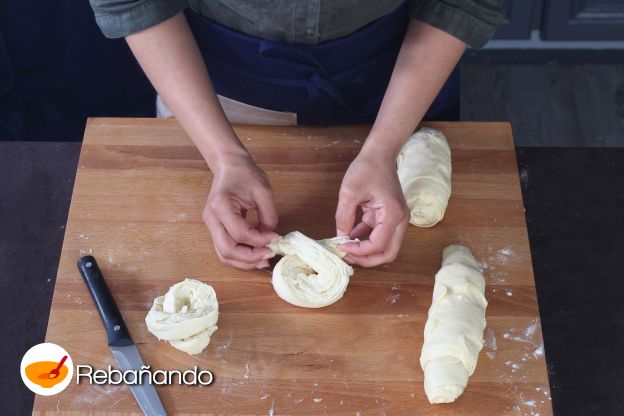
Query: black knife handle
116	329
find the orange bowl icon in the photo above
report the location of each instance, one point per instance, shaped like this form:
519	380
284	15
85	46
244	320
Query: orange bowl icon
41	373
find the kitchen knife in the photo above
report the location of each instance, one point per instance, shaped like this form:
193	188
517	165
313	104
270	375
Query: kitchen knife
125	352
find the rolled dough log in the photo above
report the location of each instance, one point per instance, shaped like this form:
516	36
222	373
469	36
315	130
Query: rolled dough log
312	273
186	316
424	169
454	330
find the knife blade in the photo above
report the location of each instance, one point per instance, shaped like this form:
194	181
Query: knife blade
119	340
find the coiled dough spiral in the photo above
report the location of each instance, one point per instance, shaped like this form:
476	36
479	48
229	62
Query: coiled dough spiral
312	273
424	169
186	316
454	330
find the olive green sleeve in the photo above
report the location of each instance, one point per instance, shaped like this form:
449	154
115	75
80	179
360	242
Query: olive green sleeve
472	21
119	18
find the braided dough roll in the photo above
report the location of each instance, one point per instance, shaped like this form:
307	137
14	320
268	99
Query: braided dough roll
454	330
312	273
186	316
424	169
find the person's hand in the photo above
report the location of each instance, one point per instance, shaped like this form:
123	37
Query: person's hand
372	184
240	186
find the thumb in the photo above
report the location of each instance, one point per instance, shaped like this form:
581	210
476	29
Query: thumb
345	214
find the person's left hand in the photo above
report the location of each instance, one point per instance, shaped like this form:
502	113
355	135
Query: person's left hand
372	183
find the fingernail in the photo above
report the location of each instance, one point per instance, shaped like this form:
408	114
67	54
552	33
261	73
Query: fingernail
340	233
275	240
262	265
268	256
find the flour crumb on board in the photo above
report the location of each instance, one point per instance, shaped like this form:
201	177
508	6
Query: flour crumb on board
272	409
180	216
332	143
318	399
220	349
264	396
489	342
539	351
530	403
530	331
393	298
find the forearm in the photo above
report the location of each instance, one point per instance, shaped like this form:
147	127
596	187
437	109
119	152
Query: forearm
426	59
171	60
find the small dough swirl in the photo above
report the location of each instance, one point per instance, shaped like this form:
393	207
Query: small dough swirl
186	316
312	273
424	169
454	330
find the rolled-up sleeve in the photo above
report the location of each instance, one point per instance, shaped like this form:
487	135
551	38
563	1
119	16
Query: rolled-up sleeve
119	18
472	21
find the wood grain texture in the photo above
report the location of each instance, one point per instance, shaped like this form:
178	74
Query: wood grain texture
136	206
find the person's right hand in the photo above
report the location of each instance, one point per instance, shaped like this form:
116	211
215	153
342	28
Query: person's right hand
237	187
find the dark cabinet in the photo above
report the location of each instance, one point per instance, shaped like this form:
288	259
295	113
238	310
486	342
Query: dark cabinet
583	20
519	15
563	19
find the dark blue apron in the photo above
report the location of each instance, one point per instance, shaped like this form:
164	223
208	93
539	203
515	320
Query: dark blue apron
341	81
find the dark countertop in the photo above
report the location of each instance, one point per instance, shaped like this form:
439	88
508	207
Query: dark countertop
574	201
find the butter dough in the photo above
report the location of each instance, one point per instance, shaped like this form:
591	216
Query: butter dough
424	169
312	273
186	316
454	330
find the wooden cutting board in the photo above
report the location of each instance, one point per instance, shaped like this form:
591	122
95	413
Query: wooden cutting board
136	206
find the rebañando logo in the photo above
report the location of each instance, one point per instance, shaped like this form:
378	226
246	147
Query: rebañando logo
46	369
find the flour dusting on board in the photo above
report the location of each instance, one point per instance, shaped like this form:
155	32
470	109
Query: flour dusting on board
494	265
530	331
100	395
393	298
532	401
531	406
